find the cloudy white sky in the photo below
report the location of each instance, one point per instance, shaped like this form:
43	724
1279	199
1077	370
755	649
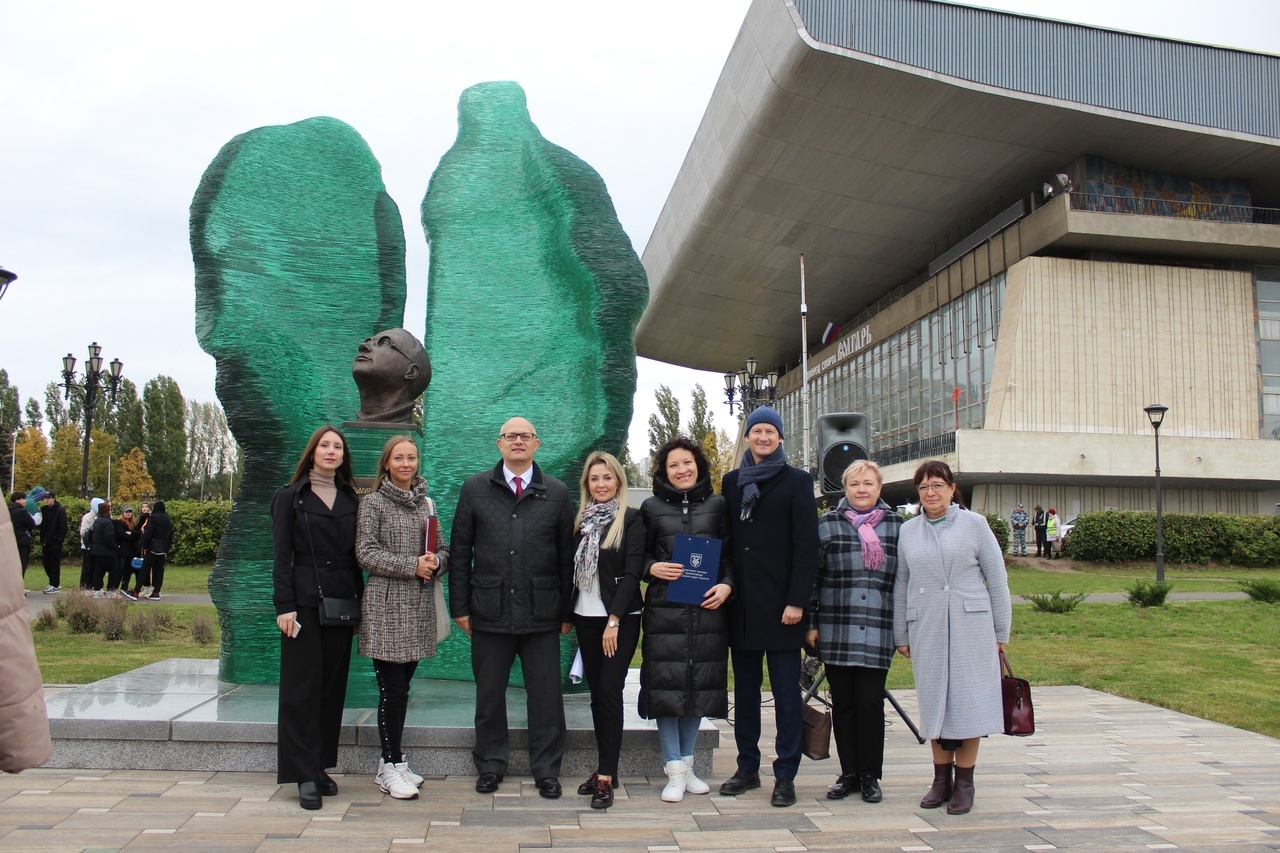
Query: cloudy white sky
112	111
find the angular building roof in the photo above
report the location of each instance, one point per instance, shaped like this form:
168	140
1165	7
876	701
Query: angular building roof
874	135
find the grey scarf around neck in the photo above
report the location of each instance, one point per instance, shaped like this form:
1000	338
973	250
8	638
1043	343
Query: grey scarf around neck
752	473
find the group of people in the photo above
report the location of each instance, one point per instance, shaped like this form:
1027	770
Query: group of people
526	565
125	548
40	512
1047	527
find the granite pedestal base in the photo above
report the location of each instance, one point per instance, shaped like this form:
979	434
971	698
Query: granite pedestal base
177	715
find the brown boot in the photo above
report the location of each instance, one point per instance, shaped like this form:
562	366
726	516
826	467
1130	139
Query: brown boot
962	794
941	790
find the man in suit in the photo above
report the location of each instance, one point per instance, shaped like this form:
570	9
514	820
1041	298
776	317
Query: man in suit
773	534
510	589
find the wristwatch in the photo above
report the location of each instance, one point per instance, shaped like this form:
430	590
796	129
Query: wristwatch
613	623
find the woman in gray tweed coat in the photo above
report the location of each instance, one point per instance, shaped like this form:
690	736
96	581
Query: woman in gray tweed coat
851	623
951	617
398	614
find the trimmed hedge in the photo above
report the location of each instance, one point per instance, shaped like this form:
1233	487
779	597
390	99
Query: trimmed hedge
1116	536
197	530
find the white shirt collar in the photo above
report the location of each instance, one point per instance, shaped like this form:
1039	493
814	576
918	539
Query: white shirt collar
526	478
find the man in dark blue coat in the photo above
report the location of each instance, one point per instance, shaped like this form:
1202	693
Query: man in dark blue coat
773	534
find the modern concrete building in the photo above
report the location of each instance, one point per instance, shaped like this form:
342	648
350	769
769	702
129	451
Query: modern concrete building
1025	230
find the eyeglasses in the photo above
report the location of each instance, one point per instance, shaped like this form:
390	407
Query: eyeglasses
518	436
933	487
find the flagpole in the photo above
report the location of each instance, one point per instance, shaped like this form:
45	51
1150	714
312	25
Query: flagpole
804	364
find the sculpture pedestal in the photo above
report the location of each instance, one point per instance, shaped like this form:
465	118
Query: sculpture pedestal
177	715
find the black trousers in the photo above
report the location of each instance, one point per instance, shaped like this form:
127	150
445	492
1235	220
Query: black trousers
24	554
606	677
1042	542
857	718
104	570
127	571
393	704
313	688
52	560
86	570
492	656
784	679
152	573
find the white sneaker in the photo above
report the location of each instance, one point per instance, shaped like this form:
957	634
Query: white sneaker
50	590
692	784
677	773
391	782
403	767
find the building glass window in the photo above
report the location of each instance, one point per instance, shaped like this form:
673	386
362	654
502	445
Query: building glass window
1268	281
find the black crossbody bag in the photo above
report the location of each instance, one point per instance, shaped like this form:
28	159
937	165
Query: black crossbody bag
334	612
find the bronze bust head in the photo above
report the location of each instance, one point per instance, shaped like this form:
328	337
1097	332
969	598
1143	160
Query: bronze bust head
391	371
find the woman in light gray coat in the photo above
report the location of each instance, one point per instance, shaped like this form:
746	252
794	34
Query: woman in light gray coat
951	618
398	614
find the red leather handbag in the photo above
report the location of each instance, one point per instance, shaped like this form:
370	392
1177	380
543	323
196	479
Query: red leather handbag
1019	717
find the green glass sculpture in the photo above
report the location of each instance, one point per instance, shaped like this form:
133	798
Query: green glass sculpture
534	296
299	256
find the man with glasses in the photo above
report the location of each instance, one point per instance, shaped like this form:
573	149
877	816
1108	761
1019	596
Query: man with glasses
510	589
391	370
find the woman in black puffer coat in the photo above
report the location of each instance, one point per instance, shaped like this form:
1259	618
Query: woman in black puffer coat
684	674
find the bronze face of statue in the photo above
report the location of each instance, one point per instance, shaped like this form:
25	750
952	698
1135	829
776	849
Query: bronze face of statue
391	371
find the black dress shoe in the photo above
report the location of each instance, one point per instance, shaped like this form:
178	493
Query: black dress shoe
784	793
548	787
603	796
588	787
740	783
326	786
843	787
871	789
487	783
309	796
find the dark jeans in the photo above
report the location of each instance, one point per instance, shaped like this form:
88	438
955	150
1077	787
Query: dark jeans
393	704
784	676
313	688
606	677
857	718
53	563
492	656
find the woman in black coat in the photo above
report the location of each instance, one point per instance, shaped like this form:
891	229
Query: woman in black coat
685	671
313	521
607	564
102	549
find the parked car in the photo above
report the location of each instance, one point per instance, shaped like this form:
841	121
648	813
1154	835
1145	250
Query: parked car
1067	526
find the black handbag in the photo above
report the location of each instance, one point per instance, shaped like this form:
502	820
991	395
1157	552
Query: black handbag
339	612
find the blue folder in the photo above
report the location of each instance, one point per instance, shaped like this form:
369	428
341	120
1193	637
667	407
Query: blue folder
700	556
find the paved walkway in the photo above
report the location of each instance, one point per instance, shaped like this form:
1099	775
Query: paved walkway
1103	773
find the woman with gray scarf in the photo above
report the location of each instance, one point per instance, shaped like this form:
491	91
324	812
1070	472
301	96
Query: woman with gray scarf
607	565
399	622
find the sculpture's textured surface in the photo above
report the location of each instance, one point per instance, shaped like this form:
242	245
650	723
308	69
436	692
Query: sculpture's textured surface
299	255
534	296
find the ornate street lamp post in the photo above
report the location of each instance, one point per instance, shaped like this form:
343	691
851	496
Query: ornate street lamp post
6	278
1155	414
749	390
96	381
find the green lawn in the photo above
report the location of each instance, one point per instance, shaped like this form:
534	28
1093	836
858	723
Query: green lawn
176	578
1100	578
67	658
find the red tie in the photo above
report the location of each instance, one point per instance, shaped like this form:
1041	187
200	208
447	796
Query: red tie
519	487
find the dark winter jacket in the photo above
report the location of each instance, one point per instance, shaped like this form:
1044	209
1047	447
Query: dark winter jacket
685	668
775	560
157	536
102	537
53	526
620	569
315	546
511	560
23	524
126	539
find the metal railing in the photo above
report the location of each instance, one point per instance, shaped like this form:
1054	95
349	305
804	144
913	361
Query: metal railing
921	448
1153	206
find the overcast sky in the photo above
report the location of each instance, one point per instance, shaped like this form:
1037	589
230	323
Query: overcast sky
112	111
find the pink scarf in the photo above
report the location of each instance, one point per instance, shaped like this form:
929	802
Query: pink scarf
865	523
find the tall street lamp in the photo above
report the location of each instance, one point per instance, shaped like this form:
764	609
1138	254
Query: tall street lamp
96	381
1155	414
749	390
6	278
